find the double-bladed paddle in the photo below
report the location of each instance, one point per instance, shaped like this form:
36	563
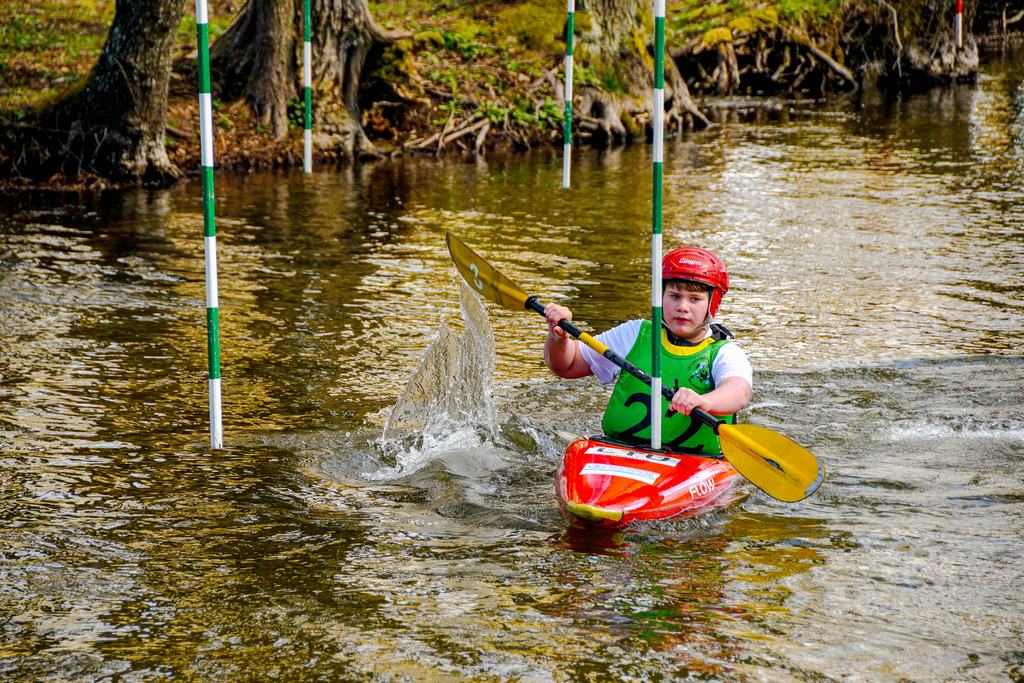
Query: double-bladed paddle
777	465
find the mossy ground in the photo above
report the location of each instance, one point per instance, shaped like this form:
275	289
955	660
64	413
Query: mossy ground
48	46
686	19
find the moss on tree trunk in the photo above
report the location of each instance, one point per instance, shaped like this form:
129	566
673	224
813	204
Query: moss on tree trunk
615	53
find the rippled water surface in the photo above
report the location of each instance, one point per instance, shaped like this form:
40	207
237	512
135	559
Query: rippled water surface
384	507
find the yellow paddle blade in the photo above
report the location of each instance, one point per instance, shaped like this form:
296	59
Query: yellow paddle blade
482	277
774	463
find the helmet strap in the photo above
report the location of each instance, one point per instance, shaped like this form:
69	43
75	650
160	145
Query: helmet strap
679	341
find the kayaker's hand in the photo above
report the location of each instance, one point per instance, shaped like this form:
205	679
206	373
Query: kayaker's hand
554	313
685	400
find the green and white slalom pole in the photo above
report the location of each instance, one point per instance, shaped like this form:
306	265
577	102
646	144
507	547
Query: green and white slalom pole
658	157
209	225
307	87
567	124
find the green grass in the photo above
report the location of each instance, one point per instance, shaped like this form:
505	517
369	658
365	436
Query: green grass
46	47
49	46
809	10
187	27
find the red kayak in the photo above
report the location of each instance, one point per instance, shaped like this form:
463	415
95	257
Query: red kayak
608	485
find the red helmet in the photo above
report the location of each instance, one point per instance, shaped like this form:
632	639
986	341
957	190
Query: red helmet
698	265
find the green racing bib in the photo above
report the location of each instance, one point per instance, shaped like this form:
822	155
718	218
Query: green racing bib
627	417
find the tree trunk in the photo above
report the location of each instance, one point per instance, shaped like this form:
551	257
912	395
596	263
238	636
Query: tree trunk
616	46
259	58
114	126
345	34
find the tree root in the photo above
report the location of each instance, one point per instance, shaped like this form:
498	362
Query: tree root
600	117
99	158
820	54
773	59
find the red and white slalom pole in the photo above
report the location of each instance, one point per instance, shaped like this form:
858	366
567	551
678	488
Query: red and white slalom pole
959	24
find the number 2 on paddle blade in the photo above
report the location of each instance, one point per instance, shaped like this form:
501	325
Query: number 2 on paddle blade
477	283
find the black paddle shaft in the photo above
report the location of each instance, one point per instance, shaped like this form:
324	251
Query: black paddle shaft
533	304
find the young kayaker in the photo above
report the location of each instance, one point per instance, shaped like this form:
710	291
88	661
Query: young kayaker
697	358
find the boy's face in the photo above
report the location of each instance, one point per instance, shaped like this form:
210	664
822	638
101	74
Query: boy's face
684	311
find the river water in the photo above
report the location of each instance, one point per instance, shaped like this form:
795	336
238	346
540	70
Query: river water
384	508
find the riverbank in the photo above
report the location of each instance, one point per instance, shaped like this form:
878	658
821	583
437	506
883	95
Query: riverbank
472	78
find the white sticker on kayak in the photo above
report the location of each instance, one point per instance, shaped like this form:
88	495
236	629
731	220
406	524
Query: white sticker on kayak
620	471
633	455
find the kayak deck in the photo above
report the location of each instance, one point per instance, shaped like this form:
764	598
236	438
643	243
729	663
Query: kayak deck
609	485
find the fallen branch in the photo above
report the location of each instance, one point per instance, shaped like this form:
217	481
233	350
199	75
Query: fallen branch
438	93
535	85
466	130
481	136
556	87
423	143
444	131
177	133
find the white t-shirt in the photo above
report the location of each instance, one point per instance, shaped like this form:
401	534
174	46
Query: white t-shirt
731	360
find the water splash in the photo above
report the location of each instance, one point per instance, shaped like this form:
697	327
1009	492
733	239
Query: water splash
938	430
446	405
